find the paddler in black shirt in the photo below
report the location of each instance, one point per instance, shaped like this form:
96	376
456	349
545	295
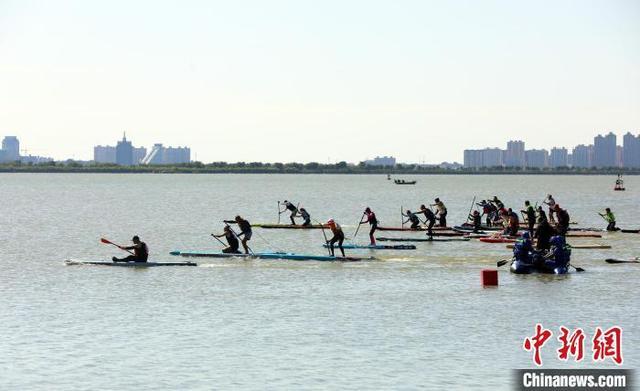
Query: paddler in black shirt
306	216
245	232
231	240
292	208
415	221
140	251
430	217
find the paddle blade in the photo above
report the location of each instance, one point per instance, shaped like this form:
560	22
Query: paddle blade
502	263
579	269
105	241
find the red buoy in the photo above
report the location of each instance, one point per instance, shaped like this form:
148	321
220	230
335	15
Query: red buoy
489	277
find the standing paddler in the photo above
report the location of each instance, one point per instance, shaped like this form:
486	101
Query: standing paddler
373	222
338	237
292	208
245	232
530	213
551	202
563	220
140	251
441	212
430	217
231	240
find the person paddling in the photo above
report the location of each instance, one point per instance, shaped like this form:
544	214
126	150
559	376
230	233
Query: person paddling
541	214
292	208
530	213
305	216
477	221
140	251
411	217
563	219
338	237
610	218
514	222
431	218
543	234
231	240
551	202
373	222
441	212
245	232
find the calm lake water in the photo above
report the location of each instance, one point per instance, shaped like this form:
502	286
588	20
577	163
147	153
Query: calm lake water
411	320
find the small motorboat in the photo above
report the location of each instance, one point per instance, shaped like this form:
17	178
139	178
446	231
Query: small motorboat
403	182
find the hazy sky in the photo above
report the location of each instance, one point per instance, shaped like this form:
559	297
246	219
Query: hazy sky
311	81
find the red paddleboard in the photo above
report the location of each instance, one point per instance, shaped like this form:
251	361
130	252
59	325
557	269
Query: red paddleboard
497	240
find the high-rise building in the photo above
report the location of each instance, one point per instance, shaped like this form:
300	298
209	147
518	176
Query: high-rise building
104	154
631	151
492	157
11	148
582	156
536	158
514	155
170	155
619	152
559	157
124	152
472	158
181	155
604	151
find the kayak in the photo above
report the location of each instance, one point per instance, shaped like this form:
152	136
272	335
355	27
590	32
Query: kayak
271	255
580	246
519	267
497	240
377	247
423	239
70	262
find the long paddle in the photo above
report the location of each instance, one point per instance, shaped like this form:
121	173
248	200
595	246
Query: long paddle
325	236
359	224
279	213
216	238
610	260
105	241
238	237
470	209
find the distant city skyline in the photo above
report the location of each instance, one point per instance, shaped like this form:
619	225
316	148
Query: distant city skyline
604	152
421	80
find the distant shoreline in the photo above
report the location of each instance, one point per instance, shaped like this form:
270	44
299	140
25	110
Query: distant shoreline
295	168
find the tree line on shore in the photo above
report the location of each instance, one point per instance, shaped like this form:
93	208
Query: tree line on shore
295	168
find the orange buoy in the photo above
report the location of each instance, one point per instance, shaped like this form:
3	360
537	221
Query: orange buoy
489	277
